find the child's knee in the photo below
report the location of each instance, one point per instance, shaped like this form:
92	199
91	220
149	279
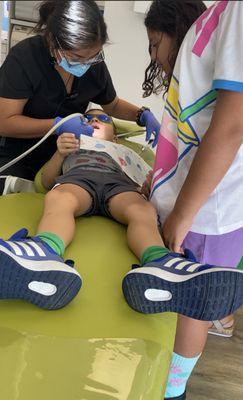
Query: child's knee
150	211
58	198
144	210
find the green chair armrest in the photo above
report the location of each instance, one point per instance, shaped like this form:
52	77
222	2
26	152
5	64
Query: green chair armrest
123	126
38	184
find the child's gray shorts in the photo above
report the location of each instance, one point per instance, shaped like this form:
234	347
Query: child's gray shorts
100	185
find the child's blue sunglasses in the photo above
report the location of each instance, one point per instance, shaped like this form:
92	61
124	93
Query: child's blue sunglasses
101	117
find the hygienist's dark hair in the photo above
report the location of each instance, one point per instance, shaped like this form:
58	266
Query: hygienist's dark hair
173	17
72	24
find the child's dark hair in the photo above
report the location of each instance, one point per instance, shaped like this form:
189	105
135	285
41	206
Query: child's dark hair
71	24
173	17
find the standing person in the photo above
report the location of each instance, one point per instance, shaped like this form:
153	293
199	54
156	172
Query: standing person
197	180
53	74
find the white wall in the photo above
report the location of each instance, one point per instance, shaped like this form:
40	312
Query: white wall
127	56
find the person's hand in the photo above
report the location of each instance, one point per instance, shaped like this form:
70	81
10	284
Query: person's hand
67	144
146	187
175	230
74	125
152	126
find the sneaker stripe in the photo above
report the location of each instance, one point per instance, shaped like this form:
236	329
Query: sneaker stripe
15	248
183	264
28	250
193	267
5	244
37	248
53	265
172	261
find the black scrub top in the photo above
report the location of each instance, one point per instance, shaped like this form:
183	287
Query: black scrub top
29	72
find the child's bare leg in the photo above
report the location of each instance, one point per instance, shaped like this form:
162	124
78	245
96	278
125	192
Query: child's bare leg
191	336
35	269
62	205
131	209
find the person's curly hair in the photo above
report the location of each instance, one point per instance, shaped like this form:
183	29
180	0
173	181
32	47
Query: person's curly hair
173	17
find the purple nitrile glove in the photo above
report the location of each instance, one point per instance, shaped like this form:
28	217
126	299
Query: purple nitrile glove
75	125
152	126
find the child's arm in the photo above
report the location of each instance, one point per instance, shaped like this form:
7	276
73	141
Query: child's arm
66	144
51	170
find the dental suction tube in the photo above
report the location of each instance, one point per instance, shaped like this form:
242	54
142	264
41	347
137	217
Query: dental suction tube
49	133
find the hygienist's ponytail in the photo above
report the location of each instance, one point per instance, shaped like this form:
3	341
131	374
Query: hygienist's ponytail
72	24
45	10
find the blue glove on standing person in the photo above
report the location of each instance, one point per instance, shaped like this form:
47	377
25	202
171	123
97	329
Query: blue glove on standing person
151	124
74	125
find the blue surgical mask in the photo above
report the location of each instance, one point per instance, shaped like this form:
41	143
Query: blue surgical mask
75	69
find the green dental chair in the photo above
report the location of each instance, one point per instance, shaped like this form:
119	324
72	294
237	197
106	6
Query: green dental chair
96	348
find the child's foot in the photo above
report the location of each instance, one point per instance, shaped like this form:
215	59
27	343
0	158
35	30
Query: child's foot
181	397
174	283
224	327
31	271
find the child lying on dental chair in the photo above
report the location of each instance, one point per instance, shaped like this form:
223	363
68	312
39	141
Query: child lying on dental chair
97	176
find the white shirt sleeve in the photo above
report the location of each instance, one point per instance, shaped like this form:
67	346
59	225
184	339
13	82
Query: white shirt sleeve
228	69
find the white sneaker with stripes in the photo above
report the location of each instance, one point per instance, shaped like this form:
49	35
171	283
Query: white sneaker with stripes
30	270
174	283
14	184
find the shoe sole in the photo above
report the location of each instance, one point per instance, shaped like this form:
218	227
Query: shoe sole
182	397
28	280
225	335
204	296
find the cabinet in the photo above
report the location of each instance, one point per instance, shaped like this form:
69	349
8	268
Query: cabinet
23	16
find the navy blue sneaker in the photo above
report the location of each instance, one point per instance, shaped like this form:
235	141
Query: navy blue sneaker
30	270
181	397
177	284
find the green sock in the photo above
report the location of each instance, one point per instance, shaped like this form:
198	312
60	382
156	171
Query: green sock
240	265
152	253
54	241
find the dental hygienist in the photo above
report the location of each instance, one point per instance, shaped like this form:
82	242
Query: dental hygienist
54	74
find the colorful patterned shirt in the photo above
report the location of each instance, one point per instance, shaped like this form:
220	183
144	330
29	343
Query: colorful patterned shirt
98	154
210	58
